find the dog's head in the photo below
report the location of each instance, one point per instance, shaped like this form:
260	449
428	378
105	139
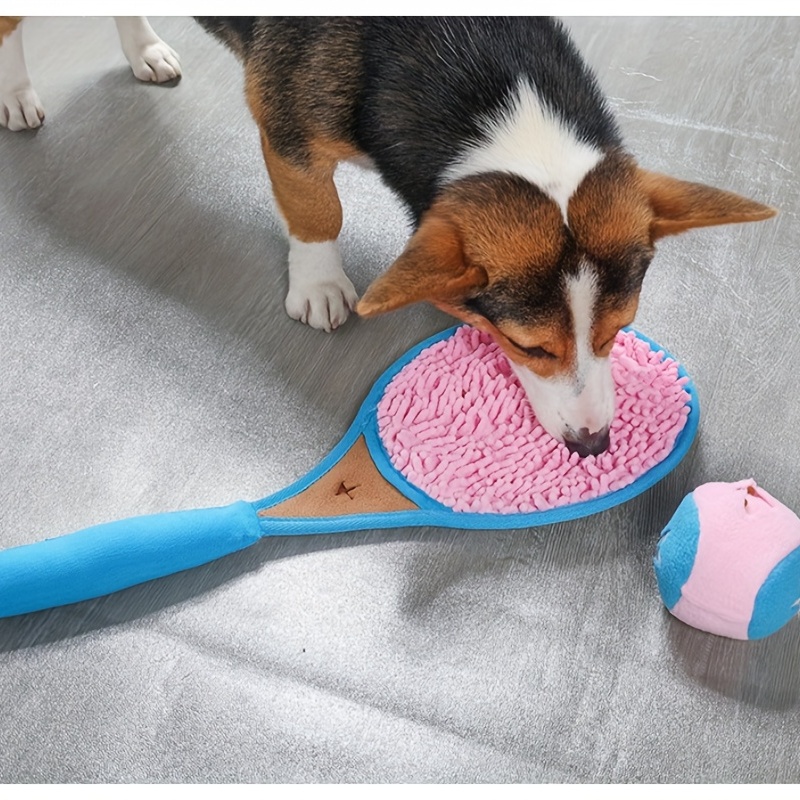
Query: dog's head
553	288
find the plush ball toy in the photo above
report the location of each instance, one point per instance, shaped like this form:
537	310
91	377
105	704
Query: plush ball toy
728	561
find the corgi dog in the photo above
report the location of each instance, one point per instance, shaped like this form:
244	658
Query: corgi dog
150	58
531	220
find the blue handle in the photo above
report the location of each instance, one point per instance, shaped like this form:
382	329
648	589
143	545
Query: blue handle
113	556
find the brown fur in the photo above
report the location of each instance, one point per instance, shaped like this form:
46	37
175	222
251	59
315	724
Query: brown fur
301	164
481	229
609	215
302	97
485	232
306	196
553	337
8	25
680	205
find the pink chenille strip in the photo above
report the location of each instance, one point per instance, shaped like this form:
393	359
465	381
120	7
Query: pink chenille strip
457	424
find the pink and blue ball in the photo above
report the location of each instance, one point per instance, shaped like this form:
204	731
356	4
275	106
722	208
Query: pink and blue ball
728	561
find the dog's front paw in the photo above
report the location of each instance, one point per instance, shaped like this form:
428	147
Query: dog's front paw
320	294
20	109
155	62
324	305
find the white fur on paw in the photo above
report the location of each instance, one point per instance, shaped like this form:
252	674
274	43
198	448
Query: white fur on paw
20	110
155	62
324	306
320	294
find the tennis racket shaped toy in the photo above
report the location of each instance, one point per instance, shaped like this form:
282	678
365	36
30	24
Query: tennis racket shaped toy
446	437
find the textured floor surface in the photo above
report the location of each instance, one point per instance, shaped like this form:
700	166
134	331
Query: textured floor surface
146	364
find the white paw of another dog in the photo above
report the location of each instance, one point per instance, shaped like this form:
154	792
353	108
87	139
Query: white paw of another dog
20	109
155	61
320	293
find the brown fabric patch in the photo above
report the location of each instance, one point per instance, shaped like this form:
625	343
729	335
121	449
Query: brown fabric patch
352	486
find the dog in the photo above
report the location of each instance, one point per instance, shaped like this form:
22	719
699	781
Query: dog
150	58
531	219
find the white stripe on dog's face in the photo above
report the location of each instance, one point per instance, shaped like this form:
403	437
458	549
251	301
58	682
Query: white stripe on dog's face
583	397
530	141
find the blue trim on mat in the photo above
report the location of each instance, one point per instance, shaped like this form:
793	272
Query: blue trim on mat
434	513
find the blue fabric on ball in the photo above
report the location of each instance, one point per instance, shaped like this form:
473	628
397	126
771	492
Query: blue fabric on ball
777	599
676	552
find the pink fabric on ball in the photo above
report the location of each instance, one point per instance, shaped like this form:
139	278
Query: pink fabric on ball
457	424
744	533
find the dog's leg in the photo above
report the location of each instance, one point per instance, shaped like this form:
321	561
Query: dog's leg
320	294
20	107
150	58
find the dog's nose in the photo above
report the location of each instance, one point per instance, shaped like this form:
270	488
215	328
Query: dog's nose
588	444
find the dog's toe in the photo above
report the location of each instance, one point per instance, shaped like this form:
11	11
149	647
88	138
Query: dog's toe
21	110
156	62
324	306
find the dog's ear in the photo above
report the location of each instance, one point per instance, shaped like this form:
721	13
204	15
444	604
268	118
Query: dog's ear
432	268
680	205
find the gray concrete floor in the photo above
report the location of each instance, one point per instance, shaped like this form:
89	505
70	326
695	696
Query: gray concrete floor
147	365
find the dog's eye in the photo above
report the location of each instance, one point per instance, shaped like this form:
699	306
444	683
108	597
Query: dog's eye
539	352
534	352
605	348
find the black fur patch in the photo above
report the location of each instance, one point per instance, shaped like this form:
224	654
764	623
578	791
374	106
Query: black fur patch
429	82
410	92
537	297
